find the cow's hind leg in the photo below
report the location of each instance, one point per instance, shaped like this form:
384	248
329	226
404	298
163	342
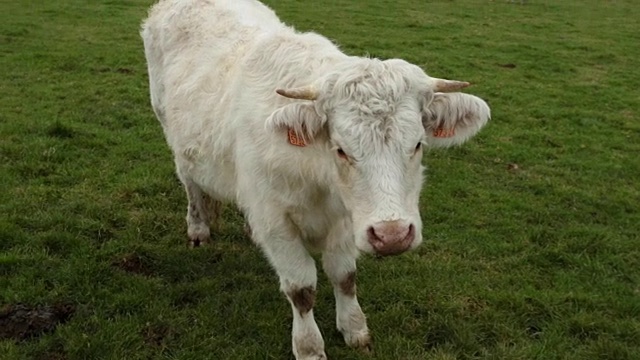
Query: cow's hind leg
201	212
297	272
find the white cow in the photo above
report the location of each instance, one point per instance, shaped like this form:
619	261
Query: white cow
320	150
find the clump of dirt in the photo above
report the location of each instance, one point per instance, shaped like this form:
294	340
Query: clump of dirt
134	263
22	322
157	334
125	71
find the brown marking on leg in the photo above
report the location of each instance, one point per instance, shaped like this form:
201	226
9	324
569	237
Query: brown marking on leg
303	299
348	284
213	209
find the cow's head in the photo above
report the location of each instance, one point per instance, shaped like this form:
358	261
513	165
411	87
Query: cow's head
374	118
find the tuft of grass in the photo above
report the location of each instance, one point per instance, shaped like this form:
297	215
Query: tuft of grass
531	228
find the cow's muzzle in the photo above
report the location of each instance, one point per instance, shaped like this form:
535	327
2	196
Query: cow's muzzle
391	237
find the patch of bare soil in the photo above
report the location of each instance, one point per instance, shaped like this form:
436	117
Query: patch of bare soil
133	263
157	335
22	322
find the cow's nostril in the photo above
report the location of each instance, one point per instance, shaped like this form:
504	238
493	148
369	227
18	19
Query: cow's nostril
372	234
411	234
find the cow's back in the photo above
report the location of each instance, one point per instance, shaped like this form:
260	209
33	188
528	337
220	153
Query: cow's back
192	45
176	25
213	70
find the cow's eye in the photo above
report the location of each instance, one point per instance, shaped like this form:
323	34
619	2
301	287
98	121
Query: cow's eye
341	153
419	146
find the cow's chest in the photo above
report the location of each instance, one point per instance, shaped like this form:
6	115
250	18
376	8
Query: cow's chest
317	222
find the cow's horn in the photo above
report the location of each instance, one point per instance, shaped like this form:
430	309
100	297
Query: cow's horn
302	93
441	85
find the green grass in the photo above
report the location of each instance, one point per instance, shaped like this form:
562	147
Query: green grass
538	262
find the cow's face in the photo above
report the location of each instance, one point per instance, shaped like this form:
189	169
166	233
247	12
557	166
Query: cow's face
378	116
376	145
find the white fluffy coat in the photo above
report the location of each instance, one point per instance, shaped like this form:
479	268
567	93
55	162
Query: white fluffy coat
214	66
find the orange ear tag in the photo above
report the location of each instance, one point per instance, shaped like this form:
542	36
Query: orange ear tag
295	140
443	133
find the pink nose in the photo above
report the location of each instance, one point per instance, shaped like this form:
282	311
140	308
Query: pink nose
391	237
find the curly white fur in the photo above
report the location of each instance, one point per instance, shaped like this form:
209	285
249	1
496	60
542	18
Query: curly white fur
214	66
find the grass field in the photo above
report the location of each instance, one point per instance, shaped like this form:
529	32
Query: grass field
532	229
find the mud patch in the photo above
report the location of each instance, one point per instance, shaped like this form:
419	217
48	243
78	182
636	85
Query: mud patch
21	322
135	264
119	70
126	71
157	334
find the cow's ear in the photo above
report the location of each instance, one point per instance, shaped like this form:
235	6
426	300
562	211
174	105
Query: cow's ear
452	118
302	118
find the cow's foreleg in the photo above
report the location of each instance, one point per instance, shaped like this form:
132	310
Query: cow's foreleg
297	272
201	211
340	267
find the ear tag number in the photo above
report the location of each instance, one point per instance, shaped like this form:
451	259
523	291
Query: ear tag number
442	133
295	140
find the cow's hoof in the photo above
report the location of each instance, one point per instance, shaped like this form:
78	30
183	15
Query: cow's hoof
310	352
198	234
360	340
314	357
198	242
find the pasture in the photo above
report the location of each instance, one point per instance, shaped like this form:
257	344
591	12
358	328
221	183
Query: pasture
532	228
